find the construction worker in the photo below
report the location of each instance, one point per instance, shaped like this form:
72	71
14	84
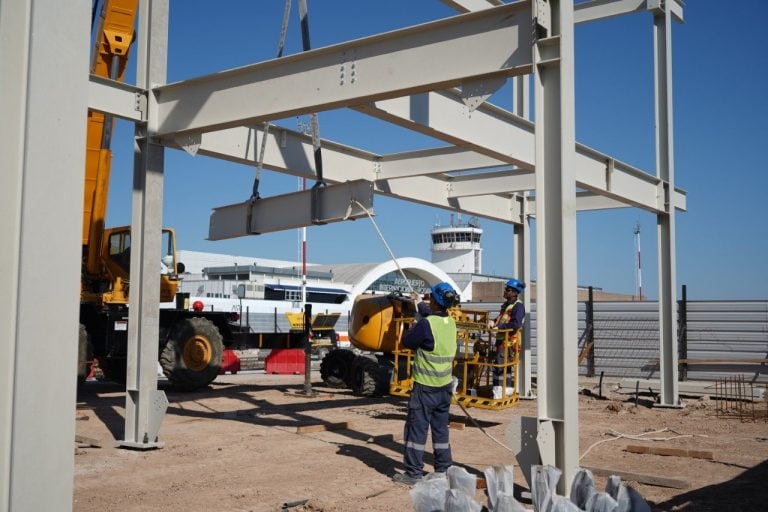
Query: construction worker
433	338
511	316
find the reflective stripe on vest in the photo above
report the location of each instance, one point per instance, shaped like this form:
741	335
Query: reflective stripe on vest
434	368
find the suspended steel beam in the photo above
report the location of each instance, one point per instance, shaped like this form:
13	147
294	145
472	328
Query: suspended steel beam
319	205
445	53
502	135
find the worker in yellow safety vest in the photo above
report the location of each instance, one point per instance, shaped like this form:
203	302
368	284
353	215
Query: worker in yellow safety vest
433	338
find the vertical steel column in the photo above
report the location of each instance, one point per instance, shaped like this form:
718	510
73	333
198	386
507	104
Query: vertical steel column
682	332
521	104
144	405
44	83
557	325
522	256
665	170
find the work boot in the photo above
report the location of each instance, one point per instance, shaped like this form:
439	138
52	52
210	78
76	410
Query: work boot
404	478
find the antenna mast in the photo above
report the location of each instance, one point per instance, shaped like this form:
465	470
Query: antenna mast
639	270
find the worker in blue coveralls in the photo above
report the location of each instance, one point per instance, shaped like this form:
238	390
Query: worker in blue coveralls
433	338
511	316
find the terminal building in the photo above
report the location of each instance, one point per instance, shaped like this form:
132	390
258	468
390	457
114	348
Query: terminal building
269	288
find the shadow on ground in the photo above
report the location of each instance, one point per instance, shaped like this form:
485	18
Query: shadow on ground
748	492
107	401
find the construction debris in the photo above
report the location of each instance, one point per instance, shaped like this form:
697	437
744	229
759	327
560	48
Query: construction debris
669	451
305	429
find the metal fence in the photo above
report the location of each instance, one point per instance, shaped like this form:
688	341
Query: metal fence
717	339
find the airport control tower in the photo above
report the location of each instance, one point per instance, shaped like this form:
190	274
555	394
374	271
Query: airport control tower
456	248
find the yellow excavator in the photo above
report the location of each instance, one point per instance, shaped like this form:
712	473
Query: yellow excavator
191	343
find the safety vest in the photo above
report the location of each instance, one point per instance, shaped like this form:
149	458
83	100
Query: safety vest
505	318
434	368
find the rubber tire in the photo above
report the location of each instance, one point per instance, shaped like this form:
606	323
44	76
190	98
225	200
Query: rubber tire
336	368
367	377
172	361
84	356
114	369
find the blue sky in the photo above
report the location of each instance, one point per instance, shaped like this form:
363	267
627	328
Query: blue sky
720	78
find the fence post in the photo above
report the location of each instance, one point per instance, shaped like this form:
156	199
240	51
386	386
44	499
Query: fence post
590	318
682	333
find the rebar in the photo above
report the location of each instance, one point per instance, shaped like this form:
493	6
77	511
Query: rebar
735	399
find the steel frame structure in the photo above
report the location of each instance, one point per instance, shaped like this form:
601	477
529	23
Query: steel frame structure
545	174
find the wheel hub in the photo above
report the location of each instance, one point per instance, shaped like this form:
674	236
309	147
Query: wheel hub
197	353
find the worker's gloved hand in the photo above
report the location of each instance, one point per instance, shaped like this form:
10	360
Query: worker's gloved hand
491	324
416	298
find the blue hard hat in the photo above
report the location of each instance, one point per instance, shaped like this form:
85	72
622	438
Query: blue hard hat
444	294
516	285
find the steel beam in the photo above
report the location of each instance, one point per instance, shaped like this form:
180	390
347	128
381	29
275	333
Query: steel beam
319	205
445	53
556	283
117	98
42	136
602	9
665	221
145	405
291	153
433	161
502	135
471	5
491	183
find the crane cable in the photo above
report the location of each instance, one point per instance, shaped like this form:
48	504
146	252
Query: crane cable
314	124
464	410
259	155
391	254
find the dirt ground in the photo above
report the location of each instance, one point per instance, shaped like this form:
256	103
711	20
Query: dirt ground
235	447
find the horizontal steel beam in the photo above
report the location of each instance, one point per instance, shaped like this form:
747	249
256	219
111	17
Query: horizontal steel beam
602	9
493	42
504	136
432	161
292	153
471	5
491	183
118	99
319	205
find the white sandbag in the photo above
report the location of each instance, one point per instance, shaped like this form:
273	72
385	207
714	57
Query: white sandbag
498	479
582	487
459	478
601	502
456	500
428	495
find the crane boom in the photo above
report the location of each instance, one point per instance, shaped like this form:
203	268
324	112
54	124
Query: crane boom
112	42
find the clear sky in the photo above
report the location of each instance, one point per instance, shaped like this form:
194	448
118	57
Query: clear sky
720	78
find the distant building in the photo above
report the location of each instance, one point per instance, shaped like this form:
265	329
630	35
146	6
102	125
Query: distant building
456	249
218	276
